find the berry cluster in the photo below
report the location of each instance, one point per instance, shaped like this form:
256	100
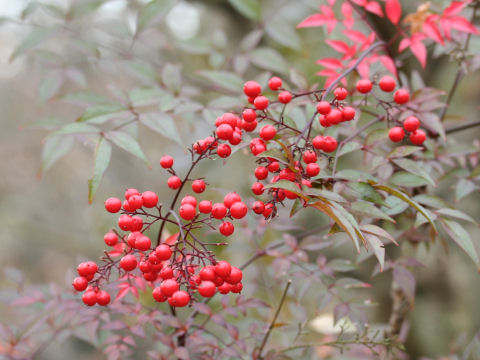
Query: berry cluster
412	125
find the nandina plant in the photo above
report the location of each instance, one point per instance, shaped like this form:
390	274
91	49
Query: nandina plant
358	153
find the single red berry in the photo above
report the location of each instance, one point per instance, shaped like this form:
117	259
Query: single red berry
189	199
251	99
166	162
275	83
179	299
126	206
219	211
237	288
312	169
249	126
324	107
258	207
318	142
340	93
309	156
210	142
252	88
143	243
273	167
268	132
128	262
223	269
224	132
113	205
132	238
154	260
110	239
396	134
103	298
145	266
322	119
285	97
199	146
207	273
236	138
230	199
235	276
364	86
207	289
268	210
205	206
261	172
257	148
411	123
136	224
174	182
348	113
260	102
89	298
227	118
187	212
158	295
150	276
224	150
168	287
418	137
135	202
150	199
387	83
280	195
166	273
334	117
80	283
238	210
163	252
258	188
249	115
125	222
224	288
330	144
307	183
226	228
131	192
401	96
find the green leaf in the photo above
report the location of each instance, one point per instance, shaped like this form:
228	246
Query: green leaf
403	151
368	209
325	194
341	265
463	188
153	10
84	8
403	178
33	39
162	123
461	237
432	121
354	175
84	98
127	143
248	8
75	128
375	136
251	40
224	79
100	114
430	200
54	148
414	168
50	86
394	206
456	214
281	31
269	59
172	78
378	249
103	154
376	230
366	192
275	154
348	148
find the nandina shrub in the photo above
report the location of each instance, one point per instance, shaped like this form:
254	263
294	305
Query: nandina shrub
352	157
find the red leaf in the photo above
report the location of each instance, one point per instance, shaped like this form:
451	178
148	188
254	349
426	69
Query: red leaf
374	8
347	12
331	2
455	7
389	64
117	249
405	43
360	2
356	36
461	24
172	239
430	29
364	68
313	21
393	10
340	46
330	63
418	49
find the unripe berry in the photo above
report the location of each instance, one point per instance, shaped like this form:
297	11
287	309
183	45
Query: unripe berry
230	199
163	252
136	224
285	97
205	206
401	96
168	287
258	207
110	239
252	88
324	107
150	199
275	83
103	298
226	228
312	169
418	137
396	134
224	150
80	283
131	192
219	211
340	93
174	182
235	276
158	295
318	142
330	144
166	162
273	167
387	83
189	199
258	188
135	202
166	273
187	212
143	243
249	115
125	222
334	117
238	210
89	298
309	156
128	262
364	86
113	205
207	273
411	123
260	102
179	299
348	113
249	126
223	268
207	289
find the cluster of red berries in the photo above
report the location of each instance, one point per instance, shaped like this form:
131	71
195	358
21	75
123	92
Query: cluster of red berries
93	295
412	125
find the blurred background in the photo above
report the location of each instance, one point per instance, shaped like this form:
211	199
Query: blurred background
46	223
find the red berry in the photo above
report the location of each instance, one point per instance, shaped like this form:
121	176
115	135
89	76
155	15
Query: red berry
260	102
340	93
207	289
207	273
237	288
228	119
89	298
396	134
113	205
189	199
166	162
80	283
103	298
273	167
137	223
268	132
323	107
226	228
401	96
235	276
150	199
318	142
285	97
126	206
306	183
334	117
322	119
251	99
224	288
258	207
252	88
275	83
230	199
125	222
257	147
225	132
150	276
236	138
418	137
145	266
309	156
110	239
249	126
261	172
348	113
166	273
312	169
143	243
163	252
131	192
224	150
238	210
387	83
249	115
174	182
135	202
128	262
268	210
179	299
219	211
223	268
205	206
132	238
187	212
168	287
154	260
330	144
411	123
258	188
364	86
158	295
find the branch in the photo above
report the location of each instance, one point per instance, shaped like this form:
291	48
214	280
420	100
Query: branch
466	126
